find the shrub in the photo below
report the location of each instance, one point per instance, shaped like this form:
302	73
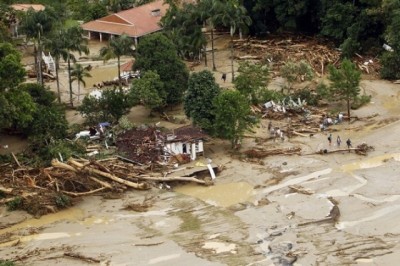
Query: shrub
15	204
360	101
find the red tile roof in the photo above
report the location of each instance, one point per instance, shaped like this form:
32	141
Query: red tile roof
134	22
26	7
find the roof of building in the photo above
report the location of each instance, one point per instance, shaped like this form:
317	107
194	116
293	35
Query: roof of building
127	67
26	7
187	133
134	22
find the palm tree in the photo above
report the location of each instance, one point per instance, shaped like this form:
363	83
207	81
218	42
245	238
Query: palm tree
235	17
35	25
116	48
56	46
74	42
208	11
78	73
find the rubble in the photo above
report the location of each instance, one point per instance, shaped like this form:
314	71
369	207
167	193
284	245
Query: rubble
317	52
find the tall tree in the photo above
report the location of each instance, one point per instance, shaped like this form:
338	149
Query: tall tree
78	74
235	17
36	24
232	116
74	42
116	48
208	12
198	104
345	82
56	45
157	53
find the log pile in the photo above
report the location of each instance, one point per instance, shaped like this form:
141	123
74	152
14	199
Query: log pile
43	190
318	53
262	153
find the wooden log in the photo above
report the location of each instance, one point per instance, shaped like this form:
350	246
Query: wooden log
90	170
78	194
103	183
6	190
172	179
56	163
15	159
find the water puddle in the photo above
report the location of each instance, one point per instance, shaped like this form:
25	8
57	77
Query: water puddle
71	214
371	162
96	220
219	247
223	195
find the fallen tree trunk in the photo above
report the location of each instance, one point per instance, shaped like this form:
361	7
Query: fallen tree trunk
90	170
264	153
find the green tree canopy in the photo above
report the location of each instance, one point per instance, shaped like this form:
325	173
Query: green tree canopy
252	80
11	71
232	116
345	82
149	91
198	103
157	53
109	107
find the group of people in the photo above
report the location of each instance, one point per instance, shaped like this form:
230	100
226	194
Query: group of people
339	141
327	121
276	132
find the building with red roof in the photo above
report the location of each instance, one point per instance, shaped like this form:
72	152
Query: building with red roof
135	22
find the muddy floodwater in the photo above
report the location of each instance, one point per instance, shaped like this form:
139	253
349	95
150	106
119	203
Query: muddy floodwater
101	73
223	195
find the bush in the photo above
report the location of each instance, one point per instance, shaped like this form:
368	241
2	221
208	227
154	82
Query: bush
390	65
306	94
271	95
15	204
360	101
63	201
6	263
349	47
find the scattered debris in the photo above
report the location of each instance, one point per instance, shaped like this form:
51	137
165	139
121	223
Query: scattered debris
261	153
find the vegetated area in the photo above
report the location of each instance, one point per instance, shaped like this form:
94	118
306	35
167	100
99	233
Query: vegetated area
224	89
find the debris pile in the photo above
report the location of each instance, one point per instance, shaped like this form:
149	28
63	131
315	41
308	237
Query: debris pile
262	153
141	145
315	51
295	48
43	190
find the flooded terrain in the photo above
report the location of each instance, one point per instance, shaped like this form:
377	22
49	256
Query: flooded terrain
333	209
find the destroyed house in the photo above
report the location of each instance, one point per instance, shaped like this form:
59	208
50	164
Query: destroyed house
149	144
186	140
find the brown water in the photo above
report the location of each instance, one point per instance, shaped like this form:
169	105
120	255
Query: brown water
223	195
71	214
101	73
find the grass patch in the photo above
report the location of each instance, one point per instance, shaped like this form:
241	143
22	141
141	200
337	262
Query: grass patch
189	222
69	23
6	263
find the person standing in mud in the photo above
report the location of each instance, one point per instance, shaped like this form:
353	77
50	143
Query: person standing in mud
330	139
338	141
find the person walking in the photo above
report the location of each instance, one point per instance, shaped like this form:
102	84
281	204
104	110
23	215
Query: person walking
348	142
330	139
338	141
223	77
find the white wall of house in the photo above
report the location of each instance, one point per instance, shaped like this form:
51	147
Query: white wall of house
192	148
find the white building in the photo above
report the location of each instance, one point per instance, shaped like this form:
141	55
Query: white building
185	140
